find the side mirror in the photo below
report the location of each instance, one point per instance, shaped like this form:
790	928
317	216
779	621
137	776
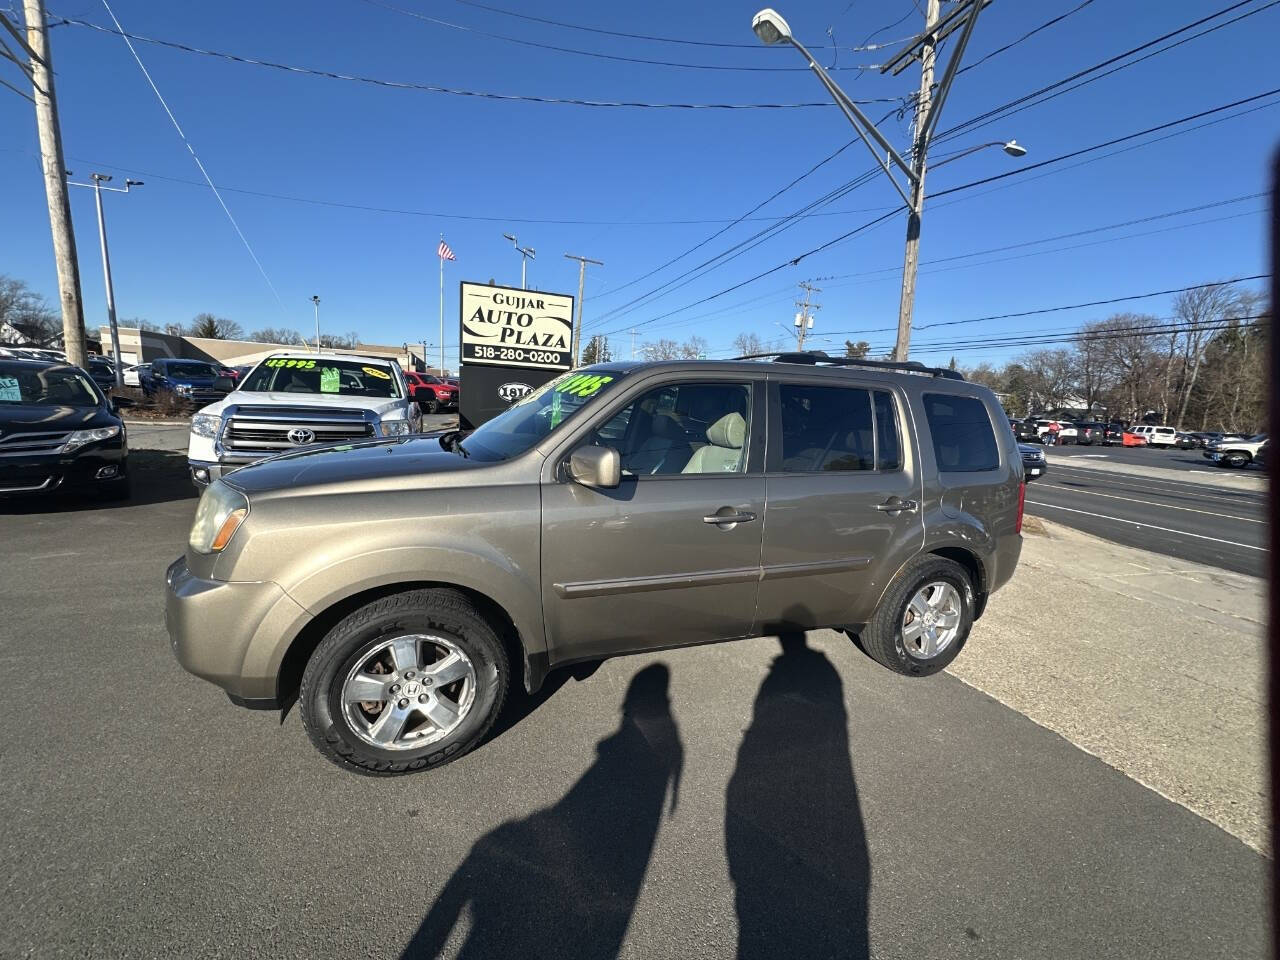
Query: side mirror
594	466
226	384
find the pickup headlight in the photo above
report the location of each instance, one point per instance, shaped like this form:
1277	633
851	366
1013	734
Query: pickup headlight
395	428
205	425
81	437
221	511
183	388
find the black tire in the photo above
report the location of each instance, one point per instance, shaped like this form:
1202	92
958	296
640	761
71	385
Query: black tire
1236	460
437	610
882	637
430	406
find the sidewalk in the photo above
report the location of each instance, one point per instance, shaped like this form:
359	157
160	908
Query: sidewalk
1154	665
1212	475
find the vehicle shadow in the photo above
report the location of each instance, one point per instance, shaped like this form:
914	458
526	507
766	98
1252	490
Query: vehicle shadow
158	476
794	833
563	882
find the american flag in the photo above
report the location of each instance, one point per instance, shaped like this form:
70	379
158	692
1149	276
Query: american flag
444	253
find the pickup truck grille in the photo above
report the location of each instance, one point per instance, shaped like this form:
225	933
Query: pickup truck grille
24	444
1034	457
265	430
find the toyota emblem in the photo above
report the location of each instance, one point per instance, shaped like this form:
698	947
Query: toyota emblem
300	436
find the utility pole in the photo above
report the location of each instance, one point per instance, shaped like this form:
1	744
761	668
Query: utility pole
55	186
633	343
97	186
919	152
315	302
582	278
804	319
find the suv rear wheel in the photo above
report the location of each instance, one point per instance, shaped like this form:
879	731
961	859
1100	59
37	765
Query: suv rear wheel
924	619
1235	459
406	682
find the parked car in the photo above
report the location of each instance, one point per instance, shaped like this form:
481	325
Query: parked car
431	393
58	431
1089	432
296	400
1034	463
232	373
1065	434
1237	453
103	372
1185	441
400	585
1156	435
1024	431
1113	433
133	375
1131	439
191	380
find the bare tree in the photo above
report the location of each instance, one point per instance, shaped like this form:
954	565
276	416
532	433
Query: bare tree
1197	310
695	348
662	349
215	328
276	335
747	344
1094	371
1051	376
27	313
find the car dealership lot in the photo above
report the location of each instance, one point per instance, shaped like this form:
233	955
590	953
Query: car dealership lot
146	815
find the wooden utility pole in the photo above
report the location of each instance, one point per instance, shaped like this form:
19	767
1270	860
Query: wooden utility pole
582	279
919	150
55	182
804	319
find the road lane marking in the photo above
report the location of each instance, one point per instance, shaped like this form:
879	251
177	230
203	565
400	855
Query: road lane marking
1152	503
1151	526
1183	486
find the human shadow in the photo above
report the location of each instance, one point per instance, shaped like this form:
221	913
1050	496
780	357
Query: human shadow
563	882
794	835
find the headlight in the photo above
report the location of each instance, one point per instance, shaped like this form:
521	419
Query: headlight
221	511
205	425
182	388
395	428
81	437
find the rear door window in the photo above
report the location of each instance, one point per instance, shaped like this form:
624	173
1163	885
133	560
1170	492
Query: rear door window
963	440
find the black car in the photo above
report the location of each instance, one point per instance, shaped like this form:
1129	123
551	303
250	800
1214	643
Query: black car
1025	431
58	431
102	371
1089	432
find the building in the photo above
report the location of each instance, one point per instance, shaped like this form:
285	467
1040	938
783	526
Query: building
143	346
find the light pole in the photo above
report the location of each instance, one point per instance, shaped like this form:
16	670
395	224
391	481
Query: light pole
526	254
97	186
315	302
582	279
771	28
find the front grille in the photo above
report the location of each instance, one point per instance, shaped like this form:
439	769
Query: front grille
1036	457
22	444
266	429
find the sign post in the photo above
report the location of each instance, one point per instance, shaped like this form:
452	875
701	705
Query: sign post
510	342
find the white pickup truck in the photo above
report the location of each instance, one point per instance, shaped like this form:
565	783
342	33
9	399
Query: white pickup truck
295	400
1234	452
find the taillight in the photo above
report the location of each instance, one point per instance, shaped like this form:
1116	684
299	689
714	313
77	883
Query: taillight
1022	504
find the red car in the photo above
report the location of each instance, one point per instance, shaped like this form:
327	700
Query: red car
432	393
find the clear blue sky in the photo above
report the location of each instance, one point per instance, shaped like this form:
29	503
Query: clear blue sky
630	172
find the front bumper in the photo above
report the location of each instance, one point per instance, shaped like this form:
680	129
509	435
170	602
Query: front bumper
232	634
93	466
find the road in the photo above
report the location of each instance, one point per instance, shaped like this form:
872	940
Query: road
1192	461
146	816
1222	524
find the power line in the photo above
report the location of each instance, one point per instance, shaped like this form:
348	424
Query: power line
433	88
594	54
196	157
1026	36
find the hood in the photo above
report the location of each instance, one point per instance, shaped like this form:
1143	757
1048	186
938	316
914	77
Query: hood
322	401
42	416
369	460
1025	448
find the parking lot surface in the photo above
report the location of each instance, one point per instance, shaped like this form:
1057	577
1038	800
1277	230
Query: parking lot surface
794	795
1219	519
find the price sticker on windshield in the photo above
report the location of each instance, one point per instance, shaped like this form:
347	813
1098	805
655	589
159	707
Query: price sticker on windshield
375	372
293	363
583	385
9	390
330	380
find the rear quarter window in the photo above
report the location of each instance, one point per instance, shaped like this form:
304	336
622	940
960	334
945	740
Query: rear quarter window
963	439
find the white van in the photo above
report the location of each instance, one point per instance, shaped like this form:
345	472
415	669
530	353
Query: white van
1156	436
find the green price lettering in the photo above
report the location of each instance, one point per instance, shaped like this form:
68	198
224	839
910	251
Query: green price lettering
583	384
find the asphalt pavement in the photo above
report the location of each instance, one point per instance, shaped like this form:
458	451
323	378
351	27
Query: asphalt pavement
1214	519
748	799
1192	461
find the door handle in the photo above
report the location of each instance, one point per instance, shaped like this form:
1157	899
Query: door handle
897	505
739	517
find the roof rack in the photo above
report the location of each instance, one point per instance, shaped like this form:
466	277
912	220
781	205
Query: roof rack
814	357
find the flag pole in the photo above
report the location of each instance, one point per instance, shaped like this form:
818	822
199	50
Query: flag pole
441	259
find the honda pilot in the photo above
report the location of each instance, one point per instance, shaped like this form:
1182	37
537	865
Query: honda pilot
397	586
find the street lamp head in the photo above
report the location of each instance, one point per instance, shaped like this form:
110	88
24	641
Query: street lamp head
770	27
1015	149
133	183
530	251
102	177
315	300
508	236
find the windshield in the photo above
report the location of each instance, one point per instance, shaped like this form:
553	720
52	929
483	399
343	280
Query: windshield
190	368
534	416
24	383
342	378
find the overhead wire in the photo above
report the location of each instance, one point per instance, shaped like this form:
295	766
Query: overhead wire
196	157
1026	36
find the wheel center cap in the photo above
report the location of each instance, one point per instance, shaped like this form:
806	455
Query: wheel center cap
412	688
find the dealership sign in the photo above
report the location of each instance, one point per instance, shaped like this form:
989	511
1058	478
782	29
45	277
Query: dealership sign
504	327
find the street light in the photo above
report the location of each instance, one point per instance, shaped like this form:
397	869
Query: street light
315	301
526	254
1012	147
97	186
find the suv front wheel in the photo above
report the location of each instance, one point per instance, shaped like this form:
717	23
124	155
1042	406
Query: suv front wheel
924	619
404	683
